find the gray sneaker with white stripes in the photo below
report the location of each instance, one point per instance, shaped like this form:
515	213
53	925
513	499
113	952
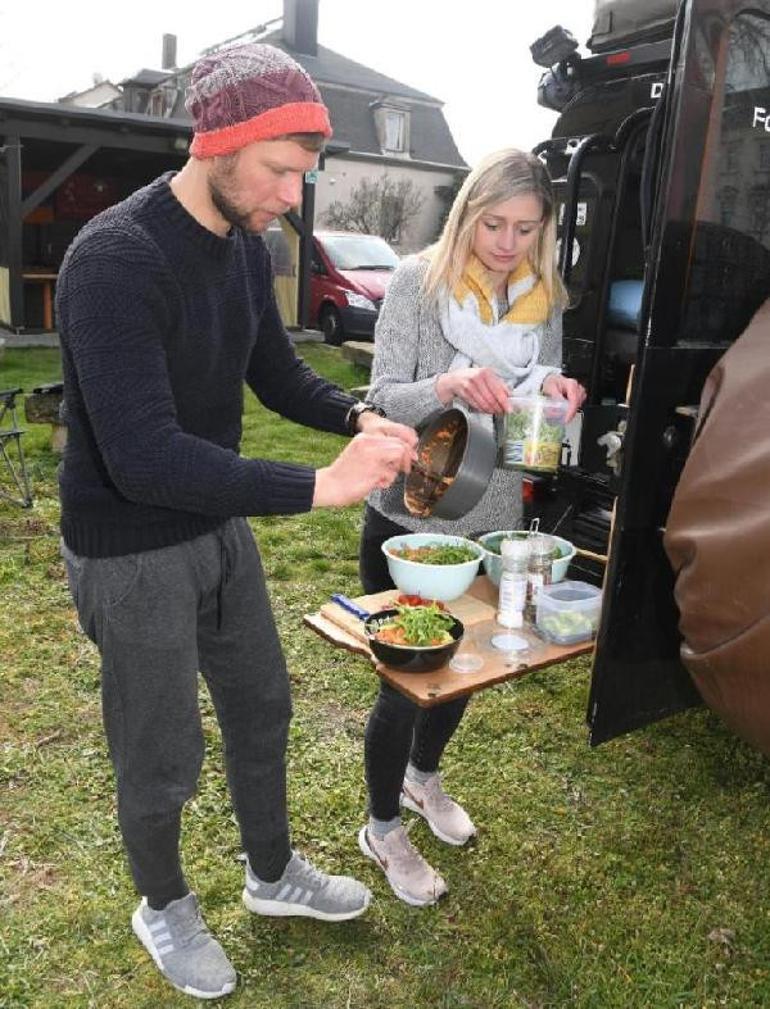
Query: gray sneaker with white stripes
183	949
303	890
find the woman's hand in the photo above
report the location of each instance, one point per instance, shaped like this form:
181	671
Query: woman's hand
481	388
565	388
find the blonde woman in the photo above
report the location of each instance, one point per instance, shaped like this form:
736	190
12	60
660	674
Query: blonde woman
474	317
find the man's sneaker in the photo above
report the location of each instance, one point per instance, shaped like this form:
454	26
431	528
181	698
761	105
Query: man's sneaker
184	950
409	875
446	818
302	889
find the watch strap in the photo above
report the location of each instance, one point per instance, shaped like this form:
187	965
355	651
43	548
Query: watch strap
351	419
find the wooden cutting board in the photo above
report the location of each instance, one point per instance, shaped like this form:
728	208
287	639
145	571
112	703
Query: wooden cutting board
469	609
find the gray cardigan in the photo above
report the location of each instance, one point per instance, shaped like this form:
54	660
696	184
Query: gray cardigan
409	352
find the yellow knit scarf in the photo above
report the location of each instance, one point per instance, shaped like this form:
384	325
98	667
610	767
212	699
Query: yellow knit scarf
530	308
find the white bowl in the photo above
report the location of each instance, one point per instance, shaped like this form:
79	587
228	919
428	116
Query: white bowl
444	582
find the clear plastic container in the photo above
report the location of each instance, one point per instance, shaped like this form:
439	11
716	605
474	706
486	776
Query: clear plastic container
568	612
539	569
534	432
512	596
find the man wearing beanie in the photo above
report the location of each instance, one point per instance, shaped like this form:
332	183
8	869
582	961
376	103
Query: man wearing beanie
166	307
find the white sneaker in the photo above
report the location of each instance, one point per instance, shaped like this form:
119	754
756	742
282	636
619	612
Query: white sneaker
304	890
409	875
445	817
183	949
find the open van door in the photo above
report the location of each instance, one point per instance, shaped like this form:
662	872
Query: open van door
707	270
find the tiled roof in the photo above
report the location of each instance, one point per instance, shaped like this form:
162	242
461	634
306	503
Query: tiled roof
353	123
348	89
147	78
330	68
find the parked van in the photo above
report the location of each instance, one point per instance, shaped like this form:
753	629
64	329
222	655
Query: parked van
350	274
660	159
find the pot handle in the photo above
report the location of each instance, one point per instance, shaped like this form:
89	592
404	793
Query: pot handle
498	424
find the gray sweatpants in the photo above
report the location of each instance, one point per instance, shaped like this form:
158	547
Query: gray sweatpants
158	618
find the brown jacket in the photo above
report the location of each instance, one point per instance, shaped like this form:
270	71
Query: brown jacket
718	538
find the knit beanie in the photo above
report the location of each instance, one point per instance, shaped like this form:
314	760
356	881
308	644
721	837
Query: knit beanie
247	93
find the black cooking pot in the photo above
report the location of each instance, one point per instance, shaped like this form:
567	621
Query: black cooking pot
456	455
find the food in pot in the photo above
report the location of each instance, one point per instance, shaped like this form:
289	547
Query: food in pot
417	627
440	553
438	457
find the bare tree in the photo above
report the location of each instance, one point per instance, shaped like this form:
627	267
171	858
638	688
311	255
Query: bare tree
381	206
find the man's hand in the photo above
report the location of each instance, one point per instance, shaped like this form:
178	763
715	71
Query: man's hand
565	388
368	461
481	388
372	423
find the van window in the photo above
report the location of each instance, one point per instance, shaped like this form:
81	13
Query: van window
745	126
359	252
729	265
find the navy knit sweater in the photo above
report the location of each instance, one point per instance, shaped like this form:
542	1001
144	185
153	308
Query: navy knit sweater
161	321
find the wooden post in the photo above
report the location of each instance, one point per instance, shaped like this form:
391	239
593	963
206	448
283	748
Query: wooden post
13	224
306	248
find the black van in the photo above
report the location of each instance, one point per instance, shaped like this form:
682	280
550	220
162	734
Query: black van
661	162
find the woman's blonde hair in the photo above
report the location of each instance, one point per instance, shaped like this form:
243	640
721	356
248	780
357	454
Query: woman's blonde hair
497	178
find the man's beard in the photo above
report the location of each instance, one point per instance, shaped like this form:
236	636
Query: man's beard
228	209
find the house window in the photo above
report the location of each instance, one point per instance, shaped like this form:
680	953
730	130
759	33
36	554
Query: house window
156	104
395	131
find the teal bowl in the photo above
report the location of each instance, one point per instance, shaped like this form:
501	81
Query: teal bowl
444	582
493	564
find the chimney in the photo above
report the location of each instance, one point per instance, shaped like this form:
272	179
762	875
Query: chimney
300	26
168	60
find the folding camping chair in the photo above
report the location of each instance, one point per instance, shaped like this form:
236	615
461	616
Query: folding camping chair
10	436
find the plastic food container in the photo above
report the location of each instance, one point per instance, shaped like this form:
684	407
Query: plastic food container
534	432
568	612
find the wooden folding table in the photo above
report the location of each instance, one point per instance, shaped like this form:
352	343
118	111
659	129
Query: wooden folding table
476	609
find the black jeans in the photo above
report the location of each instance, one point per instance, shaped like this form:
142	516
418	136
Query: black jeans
158	618
398	729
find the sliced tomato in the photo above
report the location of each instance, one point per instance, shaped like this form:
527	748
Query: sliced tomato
407	600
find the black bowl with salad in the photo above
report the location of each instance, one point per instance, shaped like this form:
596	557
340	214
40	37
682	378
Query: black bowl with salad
414	639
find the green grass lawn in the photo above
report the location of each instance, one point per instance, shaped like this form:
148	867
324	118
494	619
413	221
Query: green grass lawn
633	876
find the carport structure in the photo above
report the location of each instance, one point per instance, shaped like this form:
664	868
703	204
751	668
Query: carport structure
62	164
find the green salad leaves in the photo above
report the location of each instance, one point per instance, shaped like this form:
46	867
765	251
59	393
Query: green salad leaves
421	626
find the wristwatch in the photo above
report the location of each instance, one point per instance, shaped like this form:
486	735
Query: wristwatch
351	417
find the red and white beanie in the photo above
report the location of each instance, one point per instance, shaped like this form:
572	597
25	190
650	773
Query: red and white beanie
247	93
